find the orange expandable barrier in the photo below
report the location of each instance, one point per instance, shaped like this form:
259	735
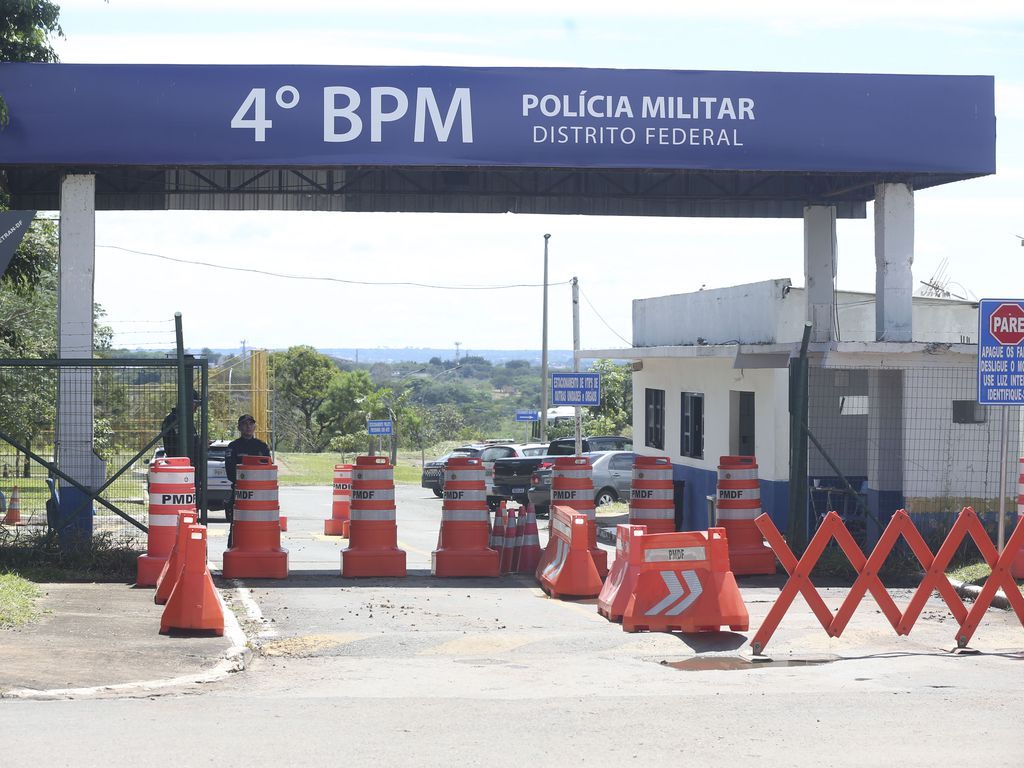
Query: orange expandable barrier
172	568
13	516
682	583
465	523
172	488
739	504
341	501
194	602
572	485
651	501
1017	568
618	587
373	528
256	534
567	568
530	553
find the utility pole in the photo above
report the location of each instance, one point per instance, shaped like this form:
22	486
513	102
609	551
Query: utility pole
544	353
577	411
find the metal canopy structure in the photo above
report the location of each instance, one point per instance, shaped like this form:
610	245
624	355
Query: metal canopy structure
479	140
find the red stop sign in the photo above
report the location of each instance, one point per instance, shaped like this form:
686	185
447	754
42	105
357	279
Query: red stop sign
1006	324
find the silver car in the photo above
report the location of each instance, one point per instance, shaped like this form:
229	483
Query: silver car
613	478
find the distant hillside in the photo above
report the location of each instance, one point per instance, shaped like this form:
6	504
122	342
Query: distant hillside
556	358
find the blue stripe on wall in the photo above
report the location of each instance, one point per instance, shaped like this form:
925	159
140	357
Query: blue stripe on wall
701	483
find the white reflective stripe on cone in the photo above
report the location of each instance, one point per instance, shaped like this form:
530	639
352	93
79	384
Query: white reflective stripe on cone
343	486
652	514
257	475
738	494
738	514
373	494
533	538
245	494
652	474
256	515
372	514
465	495
465	516
737	474
373	474
185	477
574	474
163	520
651	494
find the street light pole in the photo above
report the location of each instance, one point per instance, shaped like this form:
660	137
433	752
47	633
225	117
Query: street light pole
544	353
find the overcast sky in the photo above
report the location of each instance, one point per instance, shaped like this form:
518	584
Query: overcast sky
969	227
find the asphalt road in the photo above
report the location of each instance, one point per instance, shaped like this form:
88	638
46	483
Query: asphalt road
431	672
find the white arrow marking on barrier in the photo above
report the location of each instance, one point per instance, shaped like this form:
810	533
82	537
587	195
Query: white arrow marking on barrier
675	592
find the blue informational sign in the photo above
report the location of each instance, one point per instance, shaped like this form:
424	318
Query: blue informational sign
379	426
1001	352
575	389
527	415
260	115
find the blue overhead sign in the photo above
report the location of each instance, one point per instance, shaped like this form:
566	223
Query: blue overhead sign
576	389
379	426
1001	352
258	116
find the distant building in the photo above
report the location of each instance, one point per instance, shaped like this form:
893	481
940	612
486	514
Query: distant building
898	420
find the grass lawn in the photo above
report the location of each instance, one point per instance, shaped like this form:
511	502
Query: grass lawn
17	596
318	468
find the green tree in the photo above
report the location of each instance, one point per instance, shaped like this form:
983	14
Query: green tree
616	409
25	30
302	379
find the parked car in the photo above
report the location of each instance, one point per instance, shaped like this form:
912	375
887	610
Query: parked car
432	476
218	487
613	478
566	446
506	451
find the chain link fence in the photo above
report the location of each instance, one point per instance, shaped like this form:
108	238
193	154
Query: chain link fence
905	436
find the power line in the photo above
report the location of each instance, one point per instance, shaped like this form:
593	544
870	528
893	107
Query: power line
321	279
587	299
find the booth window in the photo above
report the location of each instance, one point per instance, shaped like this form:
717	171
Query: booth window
968	412
691	428
654	428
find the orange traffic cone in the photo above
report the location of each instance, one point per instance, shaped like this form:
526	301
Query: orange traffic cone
462	539
373	526
341	502
194	603
530	553
256	550
498	531
172	568
172	488
13	508
517	546
508	542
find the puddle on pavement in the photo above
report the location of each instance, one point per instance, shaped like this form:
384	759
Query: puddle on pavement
726	663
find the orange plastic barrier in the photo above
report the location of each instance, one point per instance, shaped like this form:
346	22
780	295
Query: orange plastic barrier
373	528
13	516
172	568
256	538
567	568
618	587
934	567
1017	569
679	582
572	485
172	488
530	553
194	603
739	504
651	501
465	523
341	502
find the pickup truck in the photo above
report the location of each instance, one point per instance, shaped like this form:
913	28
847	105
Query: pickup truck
512	476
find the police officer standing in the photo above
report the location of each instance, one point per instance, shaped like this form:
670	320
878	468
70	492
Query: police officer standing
246	445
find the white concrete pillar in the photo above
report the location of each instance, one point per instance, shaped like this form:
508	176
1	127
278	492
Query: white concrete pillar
894	256
885	452
74	340
820	269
